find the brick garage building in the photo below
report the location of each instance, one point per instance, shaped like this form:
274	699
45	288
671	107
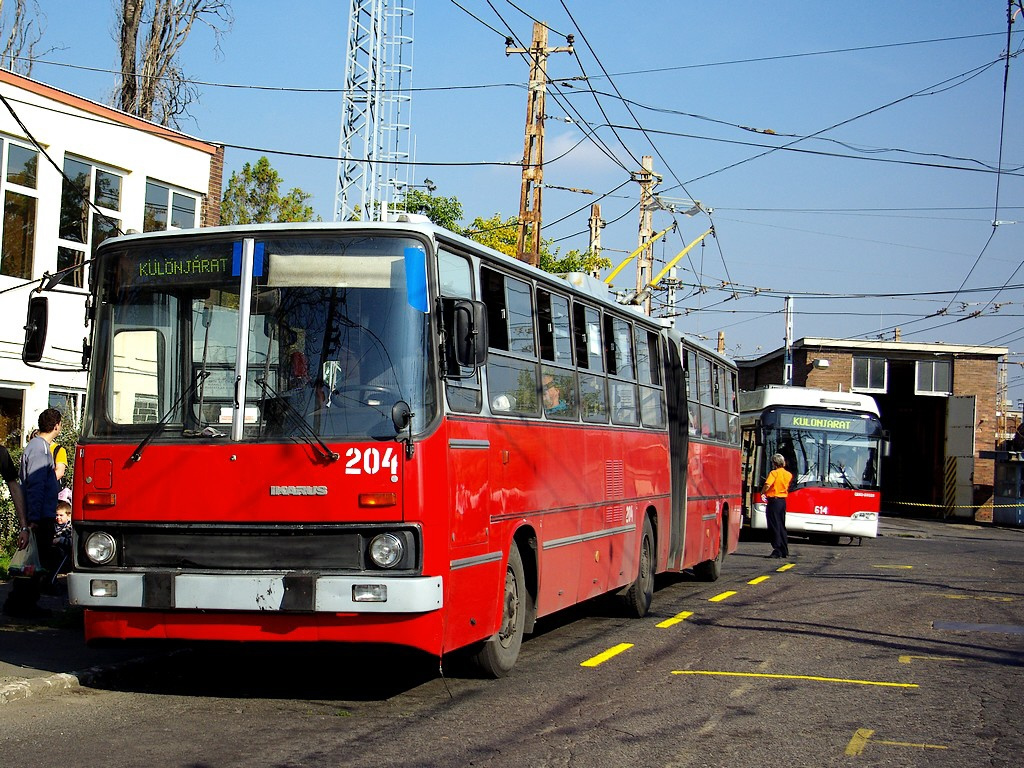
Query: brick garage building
940	404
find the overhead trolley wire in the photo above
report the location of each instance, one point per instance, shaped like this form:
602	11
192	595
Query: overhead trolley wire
558	97
930	90
1002	136
784	56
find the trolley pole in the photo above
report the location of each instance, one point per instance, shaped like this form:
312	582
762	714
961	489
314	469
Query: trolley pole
528	241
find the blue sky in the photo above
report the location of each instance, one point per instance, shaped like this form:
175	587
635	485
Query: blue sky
895	193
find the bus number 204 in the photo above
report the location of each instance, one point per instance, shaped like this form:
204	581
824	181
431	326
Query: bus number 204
370	461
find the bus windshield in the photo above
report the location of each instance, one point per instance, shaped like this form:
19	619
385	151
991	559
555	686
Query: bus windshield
830	449
336	333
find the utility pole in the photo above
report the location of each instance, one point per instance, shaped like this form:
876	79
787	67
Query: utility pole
528	242
788	373
596	225
645	260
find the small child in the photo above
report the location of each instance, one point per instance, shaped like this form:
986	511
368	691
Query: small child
62	529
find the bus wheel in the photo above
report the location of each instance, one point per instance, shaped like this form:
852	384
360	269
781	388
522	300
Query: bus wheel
637	599
710	570
498	654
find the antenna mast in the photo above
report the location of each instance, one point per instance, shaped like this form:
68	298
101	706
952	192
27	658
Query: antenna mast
373	148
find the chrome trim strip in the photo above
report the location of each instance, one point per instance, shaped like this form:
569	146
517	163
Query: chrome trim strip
591	536
467	562
472	445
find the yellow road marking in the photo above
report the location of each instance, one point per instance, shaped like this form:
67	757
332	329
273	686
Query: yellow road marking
795	677
677	619
895	567
786	567
909	744
615	650
863	735
858	742
721	597
908	659
974	597
759	579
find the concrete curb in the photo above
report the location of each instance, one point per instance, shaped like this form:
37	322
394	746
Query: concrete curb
65	681
35	686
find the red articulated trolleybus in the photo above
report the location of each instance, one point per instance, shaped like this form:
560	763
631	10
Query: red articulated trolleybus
350	432
832	443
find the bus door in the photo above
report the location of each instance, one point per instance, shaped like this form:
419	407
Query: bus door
751	481
679	425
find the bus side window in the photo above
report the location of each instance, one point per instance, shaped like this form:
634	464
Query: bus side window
512	385
455	278
586	328
648	364
619	343
732	406
692	393
553	328
721	405
707	410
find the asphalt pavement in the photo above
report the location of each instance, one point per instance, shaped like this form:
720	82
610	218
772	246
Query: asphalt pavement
47	655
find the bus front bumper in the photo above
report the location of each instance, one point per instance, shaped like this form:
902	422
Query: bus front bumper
285	592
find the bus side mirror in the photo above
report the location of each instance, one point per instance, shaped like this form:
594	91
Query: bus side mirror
759	434
885	443
469	332
35	330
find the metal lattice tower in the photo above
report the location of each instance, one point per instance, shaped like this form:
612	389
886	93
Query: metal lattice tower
374	146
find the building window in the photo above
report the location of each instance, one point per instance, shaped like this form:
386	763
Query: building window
17	247
83	226
168	208
934	377
70	404
870	374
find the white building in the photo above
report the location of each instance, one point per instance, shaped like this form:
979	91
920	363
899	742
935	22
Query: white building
72	173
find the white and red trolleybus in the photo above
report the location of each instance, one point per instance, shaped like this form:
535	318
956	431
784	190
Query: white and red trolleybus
344	432
832	443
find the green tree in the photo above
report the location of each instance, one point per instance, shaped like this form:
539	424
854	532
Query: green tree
496	233
253	196
503	235
573	261
444	211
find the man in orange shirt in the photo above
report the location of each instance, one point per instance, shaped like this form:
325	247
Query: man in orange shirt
776	488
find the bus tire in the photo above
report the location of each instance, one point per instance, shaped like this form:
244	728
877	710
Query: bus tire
710	570
637	599
497	655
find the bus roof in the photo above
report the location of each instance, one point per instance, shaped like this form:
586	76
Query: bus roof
805	397
578	283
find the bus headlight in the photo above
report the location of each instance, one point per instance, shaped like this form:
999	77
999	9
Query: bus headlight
386	550
100	547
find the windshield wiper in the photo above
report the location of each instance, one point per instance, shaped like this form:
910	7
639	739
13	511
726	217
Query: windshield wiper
313	438
137	453
207	431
